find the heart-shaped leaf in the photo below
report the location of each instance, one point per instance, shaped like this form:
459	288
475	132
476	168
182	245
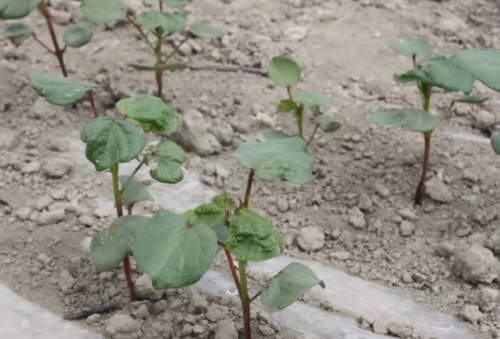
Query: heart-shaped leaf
473	99
284	72
286	106
173	251
495	142
206	31
110	142
174	67
103	11
418	47
313	101
415	120
289	285
134	193
78	35
216	211
274	135
443	72
17	9
61	91
169	158
170	22
175	3
286	159
482	65
109	247
327	123
17	33
253	237
150	113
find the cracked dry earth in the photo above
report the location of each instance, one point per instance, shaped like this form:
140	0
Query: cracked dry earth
357	216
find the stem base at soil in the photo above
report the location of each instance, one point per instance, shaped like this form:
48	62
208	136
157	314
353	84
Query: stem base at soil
418	194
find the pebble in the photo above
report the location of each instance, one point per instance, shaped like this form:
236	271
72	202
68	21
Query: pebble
381	190
406	228
266	330
197	305
365	203
296	33
343	255
101	212
471	313
66	281
31	167
217	312
159	307
57	167
311	238
282	205
122	326
93	318
438	191
488	298
51	217
357	218
44	201
144	289
226	329
23	213
406	278
58	195
478	264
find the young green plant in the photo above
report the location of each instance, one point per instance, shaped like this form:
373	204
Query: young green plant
74	36
428	72
286	73
111	142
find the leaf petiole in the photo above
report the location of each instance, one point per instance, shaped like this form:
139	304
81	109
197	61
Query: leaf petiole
124	186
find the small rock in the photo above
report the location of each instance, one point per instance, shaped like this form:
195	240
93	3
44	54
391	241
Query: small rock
60	17
400	330
340	255
226	329
52	217
311	238
406	228
484	119
159	307
438	191
186	330
357	218
494	242
197	305
66	281
56	167
31	167
101	212
217	312
365	203
42	110
58	195
198	329
122	326
42	202
381	190
144	288
445	250
282	205
296	33
93	318
478	264
471	313
23	213
266	330
408	214
7	138
193	134
488	298
406	278
224	133
87	220
380	326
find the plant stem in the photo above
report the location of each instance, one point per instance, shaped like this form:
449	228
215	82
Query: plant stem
246	203
161	6
57	51
233	270
178	47
288	90
299	115
129	179
418	194
92	104
414	59
138	27
159	61
119	211
245	300
312	136
255	296
43	44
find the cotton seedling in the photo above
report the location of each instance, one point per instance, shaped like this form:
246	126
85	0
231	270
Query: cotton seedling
169	244
154	26
428	71
287	73
73	37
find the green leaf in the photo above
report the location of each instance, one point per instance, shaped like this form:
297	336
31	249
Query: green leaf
175	3
134	193
165	67
61	91
415	120
17	33
215	212
443	72
473	99
170	22
313	101
103	11
286	106
78	35
206	31
222	233
495	142
284	72
172	251
253	237
274	135
410	76
289	285
482	65
17	9
150	113
109	247
169	158
418	47
327	123
286	159
110	142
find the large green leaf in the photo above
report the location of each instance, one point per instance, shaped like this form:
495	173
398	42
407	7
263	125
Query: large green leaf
284	72
415	120
253	237
61	91
286	159
495	142
170	22
410	47
134	193
103	11
443	72
17	9
313	101
17	33
327	123
473	99
150	113
109	247
78	35
206	31
169	158
274	135
173	251
175	3
110	142
482	65
291	283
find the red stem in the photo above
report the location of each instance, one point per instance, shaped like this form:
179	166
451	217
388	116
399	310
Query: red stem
128	276
42	44
57	51
246	203
233	270
159	82
312	136
177	48
92	104
418	194
246	317
414	59
288	90
161	6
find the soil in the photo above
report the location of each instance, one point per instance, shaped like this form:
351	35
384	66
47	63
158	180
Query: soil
361	170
